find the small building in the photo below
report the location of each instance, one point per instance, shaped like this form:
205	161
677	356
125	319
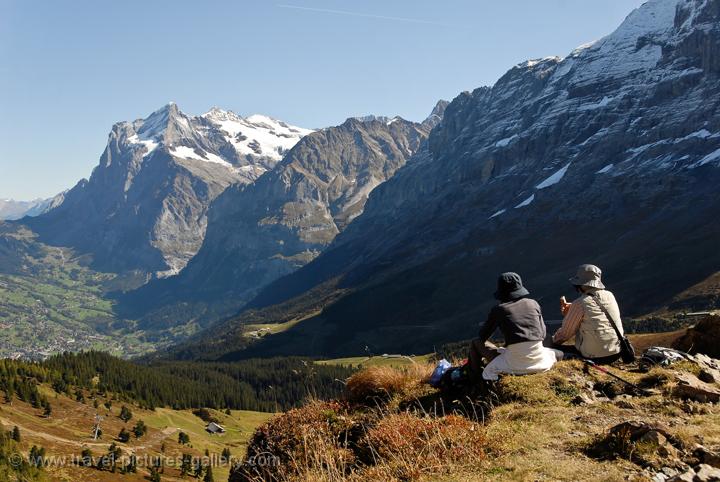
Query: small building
213	427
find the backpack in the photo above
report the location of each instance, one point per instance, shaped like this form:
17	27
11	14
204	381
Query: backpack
661	356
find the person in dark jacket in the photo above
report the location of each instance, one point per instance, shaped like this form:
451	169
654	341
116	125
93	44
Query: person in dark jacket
519	319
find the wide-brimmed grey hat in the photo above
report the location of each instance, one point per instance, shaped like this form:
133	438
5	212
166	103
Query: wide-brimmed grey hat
588	275
510	287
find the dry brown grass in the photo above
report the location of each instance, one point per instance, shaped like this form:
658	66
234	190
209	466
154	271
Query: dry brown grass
562	383
385	382
535	431
408	447
321	442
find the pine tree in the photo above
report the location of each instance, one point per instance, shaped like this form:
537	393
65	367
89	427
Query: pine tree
185	464
183	438
139	429
86	457
131	466
37	456
124	435
125	414
16	433
154	475
48	410
209	475
226	455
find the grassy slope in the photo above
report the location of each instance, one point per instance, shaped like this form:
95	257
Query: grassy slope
395	361
557	434
533	432
68	430
702	296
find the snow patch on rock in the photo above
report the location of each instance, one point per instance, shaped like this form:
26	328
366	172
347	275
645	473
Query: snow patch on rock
555	178
526	202
185	152
605	169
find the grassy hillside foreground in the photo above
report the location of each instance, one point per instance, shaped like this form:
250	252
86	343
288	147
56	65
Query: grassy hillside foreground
571	423
68	431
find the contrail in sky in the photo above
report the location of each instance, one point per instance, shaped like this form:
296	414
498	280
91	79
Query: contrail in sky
359	14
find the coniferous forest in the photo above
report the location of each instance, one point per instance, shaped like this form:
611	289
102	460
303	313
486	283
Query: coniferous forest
256	384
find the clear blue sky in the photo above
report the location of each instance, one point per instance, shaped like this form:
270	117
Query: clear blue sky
70	69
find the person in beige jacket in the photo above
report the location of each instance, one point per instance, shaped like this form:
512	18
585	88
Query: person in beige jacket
587	321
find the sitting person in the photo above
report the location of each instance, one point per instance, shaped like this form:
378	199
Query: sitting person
590	319
520	321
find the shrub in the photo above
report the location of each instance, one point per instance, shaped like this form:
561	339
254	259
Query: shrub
407	447
383	382
302	439
124	436
325	441
205	415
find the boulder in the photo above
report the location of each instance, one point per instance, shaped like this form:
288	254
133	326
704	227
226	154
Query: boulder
691	387
707	456
709	375
701	473
706	473
664	447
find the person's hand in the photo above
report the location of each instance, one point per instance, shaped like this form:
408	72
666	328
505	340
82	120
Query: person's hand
564	306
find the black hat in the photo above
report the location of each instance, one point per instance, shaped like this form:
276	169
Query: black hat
510	287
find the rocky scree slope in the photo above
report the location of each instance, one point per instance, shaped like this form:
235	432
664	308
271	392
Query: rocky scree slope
145	206
609	155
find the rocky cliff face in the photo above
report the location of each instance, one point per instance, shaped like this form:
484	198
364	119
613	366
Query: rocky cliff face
609	155
260	232
144	207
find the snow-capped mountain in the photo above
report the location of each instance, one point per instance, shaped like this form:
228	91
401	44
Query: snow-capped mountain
144	207
260	232
11	209
246	146
610	155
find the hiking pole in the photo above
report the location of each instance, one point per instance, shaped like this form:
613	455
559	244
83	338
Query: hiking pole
608	372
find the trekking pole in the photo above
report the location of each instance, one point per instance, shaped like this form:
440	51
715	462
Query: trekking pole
608	372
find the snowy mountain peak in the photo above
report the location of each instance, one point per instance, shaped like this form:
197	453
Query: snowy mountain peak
246	146
655	17
635	46
218	114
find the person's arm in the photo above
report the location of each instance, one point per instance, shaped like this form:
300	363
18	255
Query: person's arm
489	327
570	324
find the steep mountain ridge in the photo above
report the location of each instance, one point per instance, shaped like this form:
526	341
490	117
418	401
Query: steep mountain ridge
260	232
609	155
146	202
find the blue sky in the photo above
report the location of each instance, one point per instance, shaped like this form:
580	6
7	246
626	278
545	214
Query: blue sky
70	69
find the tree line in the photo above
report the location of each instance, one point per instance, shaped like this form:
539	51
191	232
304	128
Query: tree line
272	384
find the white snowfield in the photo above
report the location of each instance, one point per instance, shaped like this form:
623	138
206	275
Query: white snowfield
526	202
554	179
185	152
259	141
257	135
